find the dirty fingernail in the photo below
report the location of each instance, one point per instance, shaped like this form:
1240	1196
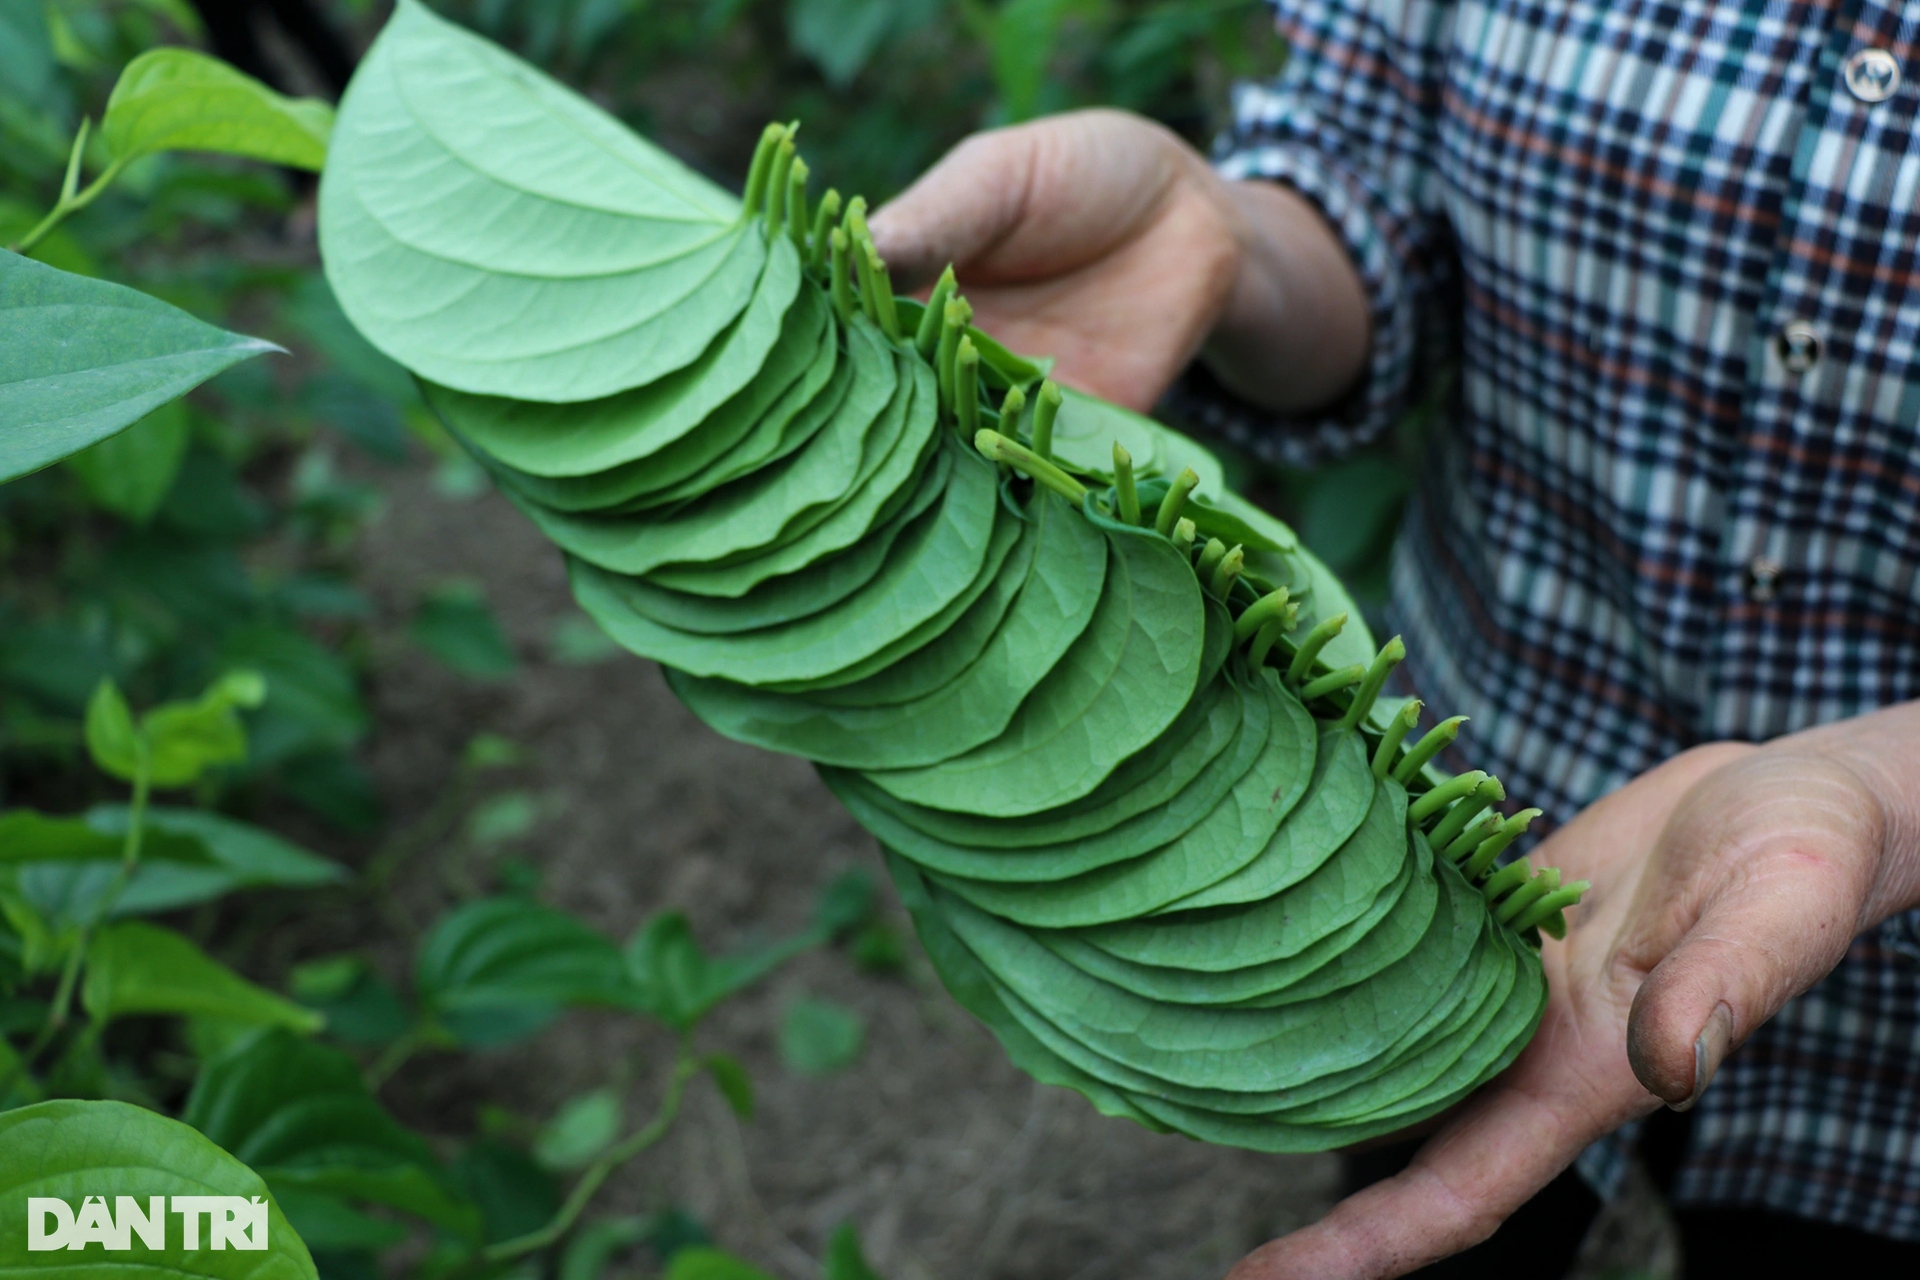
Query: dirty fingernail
1709	1049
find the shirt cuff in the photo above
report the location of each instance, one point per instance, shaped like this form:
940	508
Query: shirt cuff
1394	359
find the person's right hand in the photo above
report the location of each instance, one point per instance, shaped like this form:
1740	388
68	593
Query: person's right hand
1099	238
1103	240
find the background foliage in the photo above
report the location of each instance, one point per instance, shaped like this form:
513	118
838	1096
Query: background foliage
203	562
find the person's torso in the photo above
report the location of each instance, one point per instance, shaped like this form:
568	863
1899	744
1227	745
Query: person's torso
1681	500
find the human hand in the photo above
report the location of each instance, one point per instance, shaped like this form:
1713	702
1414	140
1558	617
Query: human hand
1103	240
1725	882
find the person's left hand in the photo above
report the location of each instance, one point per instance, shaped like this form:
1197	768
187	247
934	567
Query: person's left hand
1725	882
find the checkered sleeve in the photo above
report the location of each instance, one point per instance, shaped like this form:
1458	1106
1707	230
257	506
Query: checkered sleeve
1352	124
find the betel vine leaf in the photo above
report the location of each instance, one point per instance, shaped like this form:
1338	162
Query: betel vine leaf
81	360
1122	738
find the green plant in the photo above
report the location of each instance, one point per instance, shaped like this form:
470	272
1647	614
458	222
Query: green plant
291	1114
1120	734
108	1018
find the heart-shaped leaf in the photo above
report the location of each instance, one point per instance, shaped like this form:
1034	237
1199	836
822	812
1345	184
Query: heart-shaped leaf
81	359
69	1150
183	100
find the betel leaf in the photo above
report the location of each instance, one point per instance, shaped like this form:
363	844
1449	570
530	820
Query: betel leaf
585	1125
130	473
135	967
818	1037
69	1150
82	359
845	1259
185	739
703	1263
233	855
469	200
299	1113
678	983
500	968
183	100
27	836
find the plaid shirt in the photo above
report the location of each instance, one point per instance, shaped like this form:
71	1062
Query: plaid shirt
1671	247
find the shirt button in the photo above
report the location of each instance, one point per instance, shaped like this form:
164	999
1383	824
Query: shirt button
1798	345
1763	578
1872	75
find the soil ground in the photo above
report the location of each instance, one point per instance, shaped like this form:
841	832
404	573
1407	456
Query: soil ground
952	1164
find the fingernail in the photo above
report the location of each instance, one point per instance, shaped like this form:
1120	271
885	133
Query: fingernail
1709	1049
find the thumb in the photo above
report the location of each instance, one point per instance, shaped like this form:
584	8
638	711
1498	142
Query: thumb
959	209
1756	892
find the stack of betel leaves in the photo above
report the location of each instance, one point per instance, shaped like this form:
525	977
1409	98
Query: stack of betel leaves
1120	736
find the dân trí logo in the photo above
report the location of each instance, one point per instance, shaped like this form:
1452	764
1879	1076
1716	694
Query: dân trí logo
232	1222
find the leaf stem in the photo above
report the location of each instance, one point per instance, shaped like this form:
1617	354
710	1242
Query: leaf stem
1431	744
1126	493
1311	644
1175	501
70	202
1268	608
1560	899
966	387
797	219
823	220
1390	656
755	191
1505	834
926	339
837	269
1490	792
685	1068
1396	734
396	1055
1333	682
1446	793
1000	449
1184	532
1045	410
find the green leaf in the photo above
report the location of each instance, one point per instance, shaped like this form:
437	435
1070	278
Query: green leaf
454	624
703	1263
446	148
735	1085
1021	41
844	1259
134	967
112	741
848	902
70	1150
592	1247
500	968
27	69
300	1114
515	1195
27	836
186	739
234	855
130	473
841	36
585	1126
578	642
678	983
82	359
507	816
329	1224
181	100
360	1006
819	1037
